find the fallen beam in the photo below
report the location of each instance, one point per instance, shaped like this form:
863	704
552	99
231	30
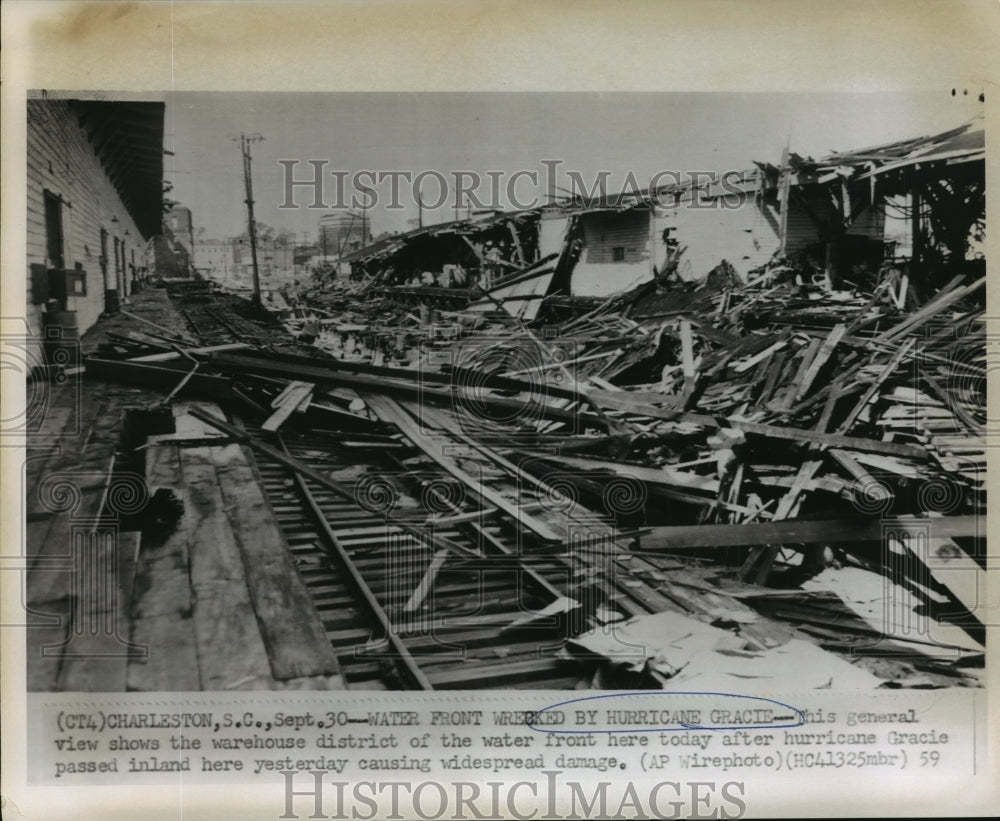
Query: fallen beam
415	388
621	401
161	378
166	357
297	393
436	449
797	531
656	476
288	366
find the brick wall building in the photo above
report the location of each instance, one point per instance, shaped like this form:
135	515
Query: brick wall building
94	199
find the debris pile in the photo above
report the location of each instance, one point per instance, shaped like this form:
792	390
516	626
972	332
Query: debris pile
561	425
744	455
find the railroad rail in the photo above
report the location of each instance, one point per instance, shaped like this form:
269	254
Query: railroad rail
434	561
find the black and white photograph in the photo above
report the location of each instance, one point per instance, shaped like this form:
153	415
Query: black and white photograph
496	409
493	391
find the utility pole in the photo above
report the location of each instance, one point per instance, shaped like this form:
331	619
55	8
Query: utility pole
420	211
364	223
245	142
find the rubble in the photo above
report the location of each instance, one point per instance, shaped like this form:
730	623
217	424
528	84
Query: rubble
747	455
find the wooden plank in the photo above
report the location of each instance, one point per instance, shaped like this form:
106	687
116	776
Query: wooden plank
659	476
299	392
289	624
229	643
223	613
415	386
604	384
444	423
832	531
159	377
166	357
687	348
98	662
919	318
790	500
774	368
820	359
383	529
174	439
172	665
293	387
863	478
86	459
276	402
389	411
163	602
475	249
426	582
876	383
512	227
746	364
49	550
621	401
807	357
497	672
59	444
315	370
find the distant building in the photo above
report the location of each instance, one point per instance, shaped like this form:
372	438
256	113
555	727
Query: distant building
217	259
178	220
229	262
343	233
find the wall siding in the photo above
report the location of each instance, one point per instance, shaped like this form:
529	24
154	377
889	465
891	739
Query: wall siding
597	273
745	235
806	204
61	159
605	231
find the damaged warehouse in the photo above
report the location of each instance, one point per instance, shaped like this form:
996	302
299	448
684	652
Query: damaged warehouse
606	442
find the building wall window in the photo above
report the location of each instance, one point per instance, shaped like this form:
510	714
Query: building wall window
618	253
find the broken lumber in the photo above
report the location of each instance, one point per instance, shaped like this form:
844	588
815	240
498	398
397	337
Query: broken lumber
160	377
808	531
288	403
389	411
621	401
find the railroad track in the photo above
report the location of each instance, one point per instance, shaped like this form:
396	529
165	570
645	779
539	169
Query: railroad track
218	324
477	623
423	582
447	567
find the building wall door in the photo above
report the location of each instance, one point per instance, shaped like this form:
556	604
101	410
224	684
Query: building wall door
54	231
120	268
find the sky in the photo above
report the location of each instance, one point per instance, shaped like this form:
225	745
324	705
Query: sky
641	133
